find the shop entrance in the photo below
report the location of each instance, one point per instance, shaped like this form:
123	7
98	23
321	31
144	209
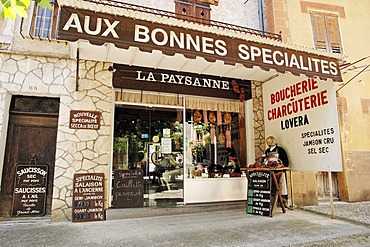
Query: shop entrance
148	139
31	138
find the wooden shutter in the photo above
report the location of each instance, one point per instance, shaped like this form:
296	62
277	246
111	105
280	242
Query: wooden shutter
203	11
332	27
192	9
183	8
319	30
326	32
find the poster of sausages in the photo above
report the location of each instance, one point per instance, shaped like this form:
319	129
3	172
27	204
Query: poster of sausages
88	197
29	195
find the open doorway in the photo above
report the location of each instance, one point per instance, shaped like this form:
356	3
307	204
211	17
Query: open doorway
149	140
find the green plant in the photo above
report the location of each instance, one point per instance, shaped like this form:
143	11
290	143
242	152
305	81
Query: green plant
177	135
120	145
14	8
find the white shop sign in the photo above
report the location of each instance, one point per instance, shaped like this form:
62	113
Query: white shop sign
166	145
301	113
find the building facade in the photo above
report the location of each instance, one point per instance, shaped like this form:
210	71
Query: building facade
96	87
333	26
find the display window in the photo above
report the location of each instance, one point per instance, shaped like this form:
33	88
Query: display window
214	145
174	140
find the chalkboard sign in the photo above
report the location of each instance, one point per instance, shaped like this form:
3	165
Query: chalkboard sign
88	197
259	193
30	186
128	190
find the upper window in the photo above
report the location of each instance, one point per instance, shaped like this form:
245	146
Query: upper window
326	32
192	8
44	21
21	103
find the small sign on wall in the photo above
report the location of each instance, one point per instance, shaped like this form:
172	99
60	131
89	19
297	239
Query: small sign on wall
79	119
88	197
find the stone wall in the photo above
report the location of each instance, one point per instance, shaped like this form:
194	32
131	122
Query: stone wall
259	125
80	151
76	150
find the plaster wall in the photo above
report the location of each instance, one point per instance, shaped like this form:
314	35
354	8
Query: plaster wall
354	98
240	12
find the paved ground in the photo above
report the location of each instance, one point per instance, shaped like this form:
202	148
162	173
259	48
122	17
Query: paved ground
357	212
218	228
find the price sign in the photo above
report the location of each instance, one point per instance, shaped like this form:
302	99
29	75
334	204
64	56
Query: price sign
88	197
259	195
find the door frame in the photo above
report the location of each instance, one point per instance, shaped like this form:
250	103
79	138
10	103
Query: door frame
148	106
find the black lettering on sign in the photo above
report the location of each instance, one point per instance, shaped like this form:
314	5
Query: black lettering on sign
128	190
88	197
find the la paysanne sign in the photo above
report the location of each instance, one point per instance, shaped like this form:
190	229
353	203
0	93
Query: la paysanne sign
100	28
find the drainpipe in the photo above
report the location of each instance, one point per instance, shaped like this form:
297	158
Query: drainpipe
261	14
77	67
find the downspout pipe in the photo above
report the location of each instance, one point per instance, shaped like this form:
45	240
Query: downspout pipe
261	14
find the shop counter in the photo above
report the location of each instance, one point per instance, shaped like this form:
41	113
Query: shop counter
202	190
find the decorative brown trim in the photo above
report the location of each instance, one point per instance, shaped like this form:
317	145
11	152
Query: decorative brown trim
342	104
306	6
125	32
277	18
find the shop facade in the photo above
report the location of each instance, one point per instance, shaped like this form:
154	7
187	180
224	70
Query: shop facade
179	101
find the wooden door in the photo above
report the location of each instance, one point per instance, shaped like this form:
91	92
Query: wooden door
29	135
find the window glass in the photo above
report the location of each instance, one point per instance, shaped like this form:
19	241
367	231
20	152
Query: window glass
151	140
44	21
214	141
34	104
